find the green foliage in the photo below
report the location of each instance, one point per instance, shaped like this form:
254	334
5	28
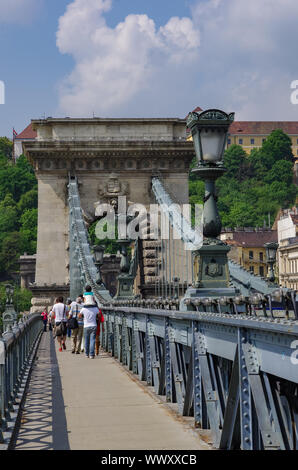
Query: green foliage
253	186
21	298
11	249
6	146
111	246
28	200
18	209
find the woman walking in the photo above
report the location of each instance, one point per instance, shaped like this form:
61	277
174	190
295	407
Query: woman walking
59	312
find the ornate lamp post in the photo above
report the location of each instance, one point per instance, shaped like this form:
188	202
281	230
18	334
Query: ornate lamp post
209	131
125	279
98	255
271	249
9	315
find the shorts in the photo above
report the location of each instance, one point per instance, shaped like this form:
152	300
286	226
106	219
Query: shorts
64	327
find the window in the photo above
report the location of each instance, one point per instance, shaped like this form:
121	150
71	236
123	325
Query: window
251	255
261	256
229	141
261	271
252	141
251	269
263	140
240	141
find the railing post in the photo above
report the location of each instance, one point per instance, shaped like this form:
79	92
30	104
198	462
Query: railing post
124	342
197	378
147	350
3	424
168	363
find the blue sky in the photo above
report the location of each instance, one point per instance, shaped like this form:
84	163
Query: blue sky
146	58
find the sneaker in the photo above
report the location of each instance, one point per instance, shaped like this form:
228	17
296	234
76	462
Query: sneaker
78	352
91	357
63	344
72	352
60	349
87	356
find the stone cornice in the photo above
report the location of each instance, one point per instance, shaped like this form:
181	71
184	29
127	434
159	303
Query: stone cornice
174	156
107	147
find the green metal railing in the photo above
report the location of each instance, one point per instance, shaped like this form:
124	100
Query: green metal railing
17	345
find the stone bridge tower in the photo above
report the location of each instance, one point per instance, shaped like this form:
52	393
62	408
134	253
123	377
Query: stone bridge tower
110	157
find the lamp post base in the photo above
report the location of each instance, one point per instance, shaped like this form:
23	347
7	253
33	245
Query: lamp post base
125	287
213	277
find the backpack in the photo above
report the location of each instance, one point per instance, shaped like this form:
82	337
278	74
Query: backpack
72	322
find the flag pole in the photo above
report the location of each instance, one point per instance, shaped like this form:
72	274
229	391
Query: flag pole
13	155
14	134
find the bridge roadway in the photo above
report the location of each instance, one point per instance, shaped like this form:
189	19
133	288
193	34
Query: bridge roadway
77	403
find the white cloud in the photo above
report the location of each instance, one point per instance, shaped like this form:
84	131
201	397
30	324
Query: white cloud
114	65
17	11
248	56
234	54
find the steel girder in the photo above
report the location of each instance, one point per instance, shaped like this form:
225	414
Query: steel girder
237	378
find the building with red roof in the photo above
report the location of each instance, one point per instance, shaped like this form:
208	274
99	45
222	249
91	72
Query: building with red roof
25	135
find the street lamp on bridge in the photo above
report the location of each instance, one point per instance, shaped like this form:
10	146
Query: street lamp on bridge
98	256
209	132
271	249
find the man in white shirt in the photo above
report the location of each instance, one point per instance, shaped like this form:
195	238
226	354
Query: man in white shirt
90	316
59	311
77	333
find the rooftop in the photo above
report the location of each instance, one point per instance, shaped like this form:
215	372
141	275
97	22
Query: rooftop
27	133
262	127
252	239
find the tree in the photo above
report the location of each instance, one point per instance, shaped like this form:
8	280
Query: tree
282	170
28	200
11	249
9	220
6	146
236	162
254	185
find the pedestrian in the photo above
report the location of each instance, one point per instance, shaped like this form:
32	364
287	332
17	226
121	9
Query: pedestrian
77	330
50	320
68	304
89	299
59	311
44	317
99	322
90	316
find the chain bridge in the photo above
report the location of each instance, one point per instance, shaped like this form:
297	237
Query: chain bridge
196	352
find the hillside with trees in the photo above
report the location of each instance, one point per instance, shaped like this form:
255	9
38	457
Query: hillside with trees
18	216
254	185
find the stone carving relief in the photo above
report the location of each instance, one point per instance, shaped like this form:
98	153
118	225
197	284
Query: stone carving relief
113	188
213	269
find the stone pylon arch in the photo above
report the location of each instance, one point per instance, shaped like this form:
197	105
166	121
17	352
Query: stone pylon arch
110	157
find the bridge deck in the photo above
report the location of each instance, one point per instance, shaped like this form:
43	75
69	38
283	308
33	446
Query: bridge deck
77	403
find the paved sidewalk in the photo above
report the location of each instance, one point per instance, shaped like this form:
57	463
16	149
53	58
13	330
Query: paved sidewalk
43	422
102	408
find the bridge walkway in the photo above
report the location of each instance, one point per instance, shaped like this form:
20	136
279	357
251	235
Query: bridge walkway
77	403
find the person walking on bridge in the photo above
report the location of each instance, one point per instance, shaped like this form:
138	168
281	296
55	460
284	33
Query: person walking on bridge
77	332
59	311
90	316
44	317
